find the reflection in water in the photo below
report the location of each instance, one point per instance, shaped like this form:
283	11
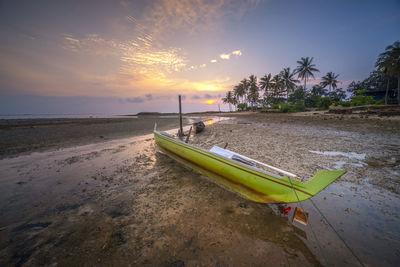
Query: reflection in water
209	122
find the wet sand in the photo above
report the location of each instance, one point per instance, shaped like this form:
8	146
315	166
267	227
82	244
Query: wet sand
29	135
121	202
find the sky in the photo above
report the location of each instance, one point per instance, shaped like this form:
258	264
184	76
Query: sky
120	57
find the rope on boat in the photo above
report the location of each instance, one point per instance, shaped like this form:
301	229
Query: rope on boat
344	242
333	228
305	214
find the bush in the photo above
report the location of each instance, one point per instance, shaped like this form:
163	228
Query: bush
324	103
360	100
298	95
275	106
291	108
242	107
299	106
287	108
344	103
311	101
284	108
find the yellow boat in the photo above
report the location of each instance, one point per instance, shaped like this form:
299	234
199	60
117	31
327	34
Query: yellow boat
242	174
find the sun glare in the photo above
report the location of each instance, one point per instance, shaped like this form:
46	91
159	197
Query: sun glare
207	87
211	101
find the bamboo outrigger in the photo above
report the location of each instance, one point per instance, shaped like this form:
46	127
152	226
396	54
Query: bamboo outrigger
241	175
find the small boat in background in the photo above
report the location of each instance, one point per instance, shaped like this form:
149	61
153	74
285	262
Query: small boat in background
244	175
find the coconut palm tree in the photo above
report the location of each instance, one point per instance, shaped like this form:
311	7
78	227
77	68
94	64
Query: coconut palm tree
390	61
238	91
288	80
330	79
245	87
277	86
228	99
306	69
234	101
383	70
253	90
265	83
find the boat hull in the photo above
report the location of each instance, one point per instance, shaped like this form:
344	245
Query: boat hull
246	181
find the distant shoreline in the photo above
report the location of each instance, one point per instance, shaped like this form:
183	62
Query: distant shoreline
99	115
173	113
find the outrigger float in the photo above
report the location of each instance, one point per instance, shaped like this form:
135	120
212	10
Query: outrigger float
244	175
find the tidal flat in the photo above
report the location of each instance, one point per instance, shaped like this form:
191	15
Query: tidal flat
70	197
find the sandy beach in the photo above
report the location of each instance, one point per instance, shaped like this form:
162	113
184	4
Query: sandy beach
98	192
28	135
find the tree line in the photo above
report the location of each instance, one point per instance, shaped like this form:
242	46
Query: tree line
284	90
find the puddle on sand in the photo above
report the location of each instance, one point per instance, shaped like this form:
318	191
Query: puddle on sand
350	155
353	159
366	217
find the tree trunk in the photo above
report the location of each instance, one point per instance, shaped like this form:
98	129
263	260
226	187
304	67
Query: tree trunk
287	95
305	84
387	91
398	90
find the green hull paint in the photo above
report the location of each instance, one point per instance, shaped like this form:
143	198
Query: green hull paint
247	182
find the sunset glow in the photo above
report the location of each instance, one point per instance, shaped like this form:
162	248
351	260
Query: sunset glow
129	55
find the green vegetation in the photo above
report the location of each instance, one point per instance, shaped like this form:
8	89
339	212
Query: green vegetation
324	102
281	91
242	107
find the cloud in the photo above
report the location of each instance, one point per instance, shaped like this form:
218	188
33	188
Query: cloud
130	19
166	17
138	99
124	3
134	100
225	56
207	96
126	67
90	44
196	97
237	53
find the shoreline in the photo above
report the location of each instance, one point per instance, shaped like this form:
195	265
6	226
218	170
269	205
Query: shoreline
22	136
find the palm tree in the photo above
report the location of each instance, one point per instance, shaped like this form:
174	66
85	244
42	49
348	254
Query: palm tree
288	80
305	69
276	85
234	101
390	62
253	90
228	99
383	69
265	83
238	91
245	87
330	79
